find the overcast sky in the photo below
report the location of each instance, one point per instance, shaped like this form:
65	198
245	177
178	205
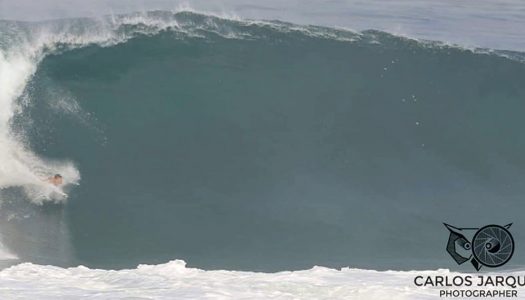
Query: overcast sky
498	24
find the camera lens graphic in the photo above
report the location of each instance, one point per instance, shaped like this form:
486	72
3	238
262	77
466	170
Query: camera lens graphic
493	246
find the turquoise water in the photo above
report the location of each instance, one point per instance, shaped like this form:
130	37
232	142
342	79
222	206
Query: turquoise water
269	146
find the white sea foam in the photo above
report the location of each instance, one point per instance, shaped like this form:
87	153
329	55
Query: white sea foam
174	280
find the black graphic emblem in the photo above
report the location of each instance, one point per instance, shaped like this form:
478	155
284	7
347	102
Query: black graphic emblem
491	246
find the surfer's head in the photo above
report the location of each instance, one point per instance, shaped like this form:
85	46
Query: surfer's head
56	180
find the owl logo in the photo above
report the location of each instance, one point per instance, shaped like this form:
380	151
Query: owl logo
490	246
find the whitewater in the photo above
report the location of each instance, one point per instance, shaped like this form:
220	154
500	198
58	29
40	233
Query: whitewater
174	280
23	172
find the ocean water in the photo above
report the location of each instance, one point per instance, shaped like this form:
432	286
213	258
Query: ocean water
247	146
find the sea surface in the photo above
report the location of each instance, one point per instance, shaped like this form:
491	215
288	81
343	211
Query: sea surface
240	146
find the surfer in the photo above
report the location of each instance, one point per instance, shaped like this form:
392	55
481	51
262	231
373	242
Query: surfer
56	180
